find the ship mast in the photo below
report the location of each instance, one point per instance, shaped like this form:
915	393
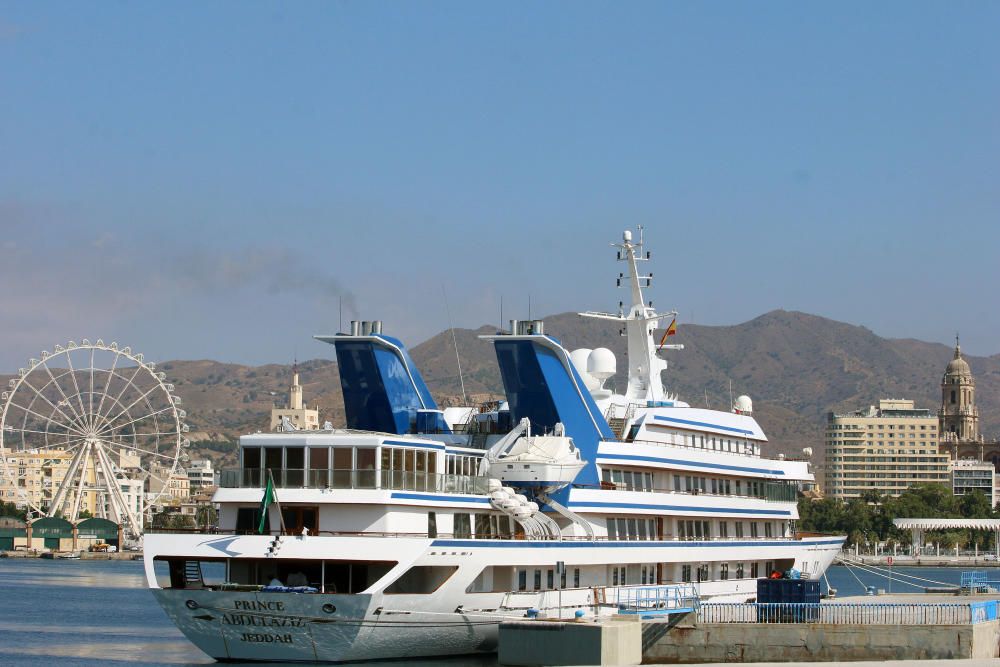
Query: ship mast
640	322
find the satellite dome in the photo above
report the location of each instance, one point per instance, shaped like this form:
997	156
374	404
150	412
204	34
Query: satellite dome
579	359
743	405
602	364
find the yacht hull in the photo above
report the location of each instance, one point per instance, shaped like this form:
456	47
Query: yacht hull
286	627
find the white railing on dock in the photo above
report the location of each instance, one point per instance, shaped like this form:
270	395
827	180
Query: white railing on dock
851	614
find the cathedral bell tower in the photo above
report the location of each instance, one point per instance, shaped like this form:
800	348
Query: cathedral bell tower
958	417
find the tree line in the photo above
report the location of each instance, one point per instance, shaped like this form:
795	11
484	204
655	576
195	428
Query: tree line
869	520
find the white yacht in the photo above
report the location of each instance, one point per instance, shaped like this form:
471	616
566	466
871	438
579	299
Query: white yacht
414	531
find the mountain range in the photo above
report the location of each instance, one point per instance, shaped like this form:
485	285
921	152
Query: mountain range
796	367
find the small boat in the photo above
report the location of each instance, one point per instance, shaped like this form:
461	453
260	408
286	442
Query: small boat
71	555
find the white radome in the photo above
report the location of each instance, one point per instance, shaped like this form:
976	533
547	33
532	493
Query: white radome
602	364
743	405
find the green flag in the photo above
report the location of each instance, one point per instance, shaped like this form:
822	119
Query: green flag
265	502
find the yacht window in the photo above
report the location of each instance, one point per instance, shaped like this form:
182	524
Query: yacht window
463	525
365	462
343	467
677	482
769	567
612	529
739	570
247	520
295	458
614	576
739	529
297	518
633	531
483	529
272	458
432	524
754	570
295	463
724	571
522	580
642	530
753	529
421	580
622	529
576	577
685	573
538	580
251	458
723	529
550	581
704	527
681	533
319	458
768	529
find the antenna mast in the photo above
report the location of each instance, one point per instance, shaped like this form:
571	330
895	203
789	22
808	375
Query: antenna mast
454	341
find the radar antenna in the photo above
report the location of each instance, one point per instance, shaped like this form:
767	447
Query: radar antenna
640	321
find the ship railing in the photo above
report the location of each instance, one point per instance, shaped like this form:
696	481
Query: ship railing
292	478
653	600
851	613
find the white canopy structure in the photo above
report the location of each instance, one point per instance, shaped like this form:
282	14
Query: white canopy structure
918	526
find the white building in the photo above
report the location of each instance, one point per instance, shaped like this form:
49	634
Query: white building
298	414
972	475
201	475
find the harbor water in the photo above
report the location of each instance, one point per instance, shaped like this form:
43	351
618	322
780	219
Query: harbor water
100	612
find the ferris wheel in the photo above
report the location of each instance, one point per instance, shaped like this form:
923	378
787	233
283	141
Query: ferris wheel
91	428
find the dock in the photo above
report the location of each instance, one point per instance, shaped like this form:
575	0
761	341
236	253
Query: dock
887	627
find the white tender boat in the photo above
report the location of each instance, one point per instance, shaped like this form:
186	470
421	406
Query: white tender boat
415	531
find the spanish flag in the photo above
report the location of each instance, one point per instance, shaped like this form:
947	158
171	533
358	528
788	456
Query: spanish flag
671	331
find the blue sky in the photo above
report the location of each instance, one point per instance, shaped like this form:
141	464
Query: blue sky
209	180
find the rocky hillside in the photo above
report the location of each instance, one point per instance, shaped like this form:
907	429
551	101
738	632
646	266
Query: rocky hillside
796	367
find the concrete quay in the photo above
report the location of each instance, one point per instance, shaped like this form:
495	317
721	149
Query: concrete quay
613	641
857	629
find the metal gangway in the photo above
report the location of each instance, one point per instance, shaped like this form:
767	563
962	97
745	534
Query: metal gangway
650	601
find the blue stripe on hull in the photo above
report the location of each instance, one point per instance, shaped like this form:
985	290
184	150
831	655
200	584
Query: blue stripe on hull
690	422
